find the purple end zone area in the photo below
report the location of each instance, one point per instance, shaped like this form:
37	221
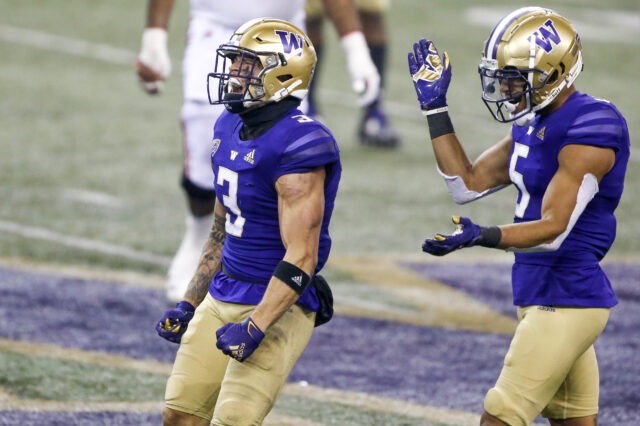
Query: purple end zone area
57	418
427	365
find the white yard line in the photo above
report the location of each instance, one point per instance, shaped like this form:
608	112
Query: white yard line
72	46
91	197
83	243
116	55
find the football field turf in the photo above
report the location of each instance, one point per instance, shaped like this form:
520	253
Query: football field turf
91	212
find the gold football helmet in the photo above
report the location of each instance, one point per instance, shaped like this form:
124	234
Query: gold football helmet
533	53
273	59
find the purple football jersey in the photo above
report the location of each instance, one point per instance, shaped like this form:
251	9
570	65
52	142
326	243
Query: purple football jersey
571	275
245	174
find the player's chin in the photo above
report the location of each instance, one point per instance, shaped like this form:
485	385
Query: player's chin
519	103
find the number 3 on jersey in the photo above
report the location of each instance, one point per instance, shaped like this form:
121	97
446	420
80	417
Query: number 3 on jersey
519	150
231	201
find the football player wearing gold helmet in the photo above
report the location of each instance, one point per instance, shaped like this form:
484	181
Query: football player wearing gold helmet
211	23
252	305
566	153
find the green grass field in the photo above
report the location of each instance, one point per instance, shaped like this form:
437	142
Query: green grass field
90	164
74	123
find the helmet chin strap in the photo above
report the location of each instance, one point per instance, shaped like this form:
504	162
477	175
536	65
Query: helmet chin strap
528	118
524	120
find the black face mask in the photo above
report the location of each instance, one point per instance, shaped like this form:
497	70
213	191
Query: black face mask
236	107
256	121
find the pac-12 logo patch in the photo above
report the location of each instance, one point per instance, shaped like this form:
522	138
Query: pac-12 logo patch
216	145
291	43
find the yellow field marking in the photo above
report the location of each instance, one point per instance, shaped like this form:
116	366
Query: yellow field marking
90	357
13	403
326	395
277	419
370	402
128	277
10	402
435	304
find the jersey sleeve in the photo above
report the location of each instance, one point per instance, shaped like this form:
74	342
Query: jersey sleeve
596	125
312	147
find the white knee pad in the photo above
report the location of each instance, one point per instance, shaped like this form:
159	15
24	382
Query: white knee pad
185	262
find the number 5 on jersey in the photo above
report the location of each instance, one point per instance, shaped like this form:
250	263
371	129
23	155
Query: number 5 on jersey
231	201
519	150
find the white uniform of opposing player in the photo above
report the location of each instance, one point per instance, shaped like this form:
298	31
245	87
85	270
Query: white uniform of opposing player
212	23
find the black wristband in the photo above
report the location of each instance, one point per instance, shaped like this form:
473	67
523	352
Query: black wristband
490	236
292	276
439	124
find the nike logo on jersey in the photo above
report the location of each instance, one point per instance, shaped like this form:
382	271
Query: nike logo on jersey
540	134
249	157
234	154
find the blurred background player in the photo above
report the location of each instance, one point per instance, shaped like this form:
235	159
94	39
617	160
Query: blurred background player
567	154
277	174
211	23
374	128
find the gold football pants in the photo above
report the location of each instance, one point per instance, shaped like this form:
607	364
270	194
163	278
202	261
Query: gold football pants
551	366
208	384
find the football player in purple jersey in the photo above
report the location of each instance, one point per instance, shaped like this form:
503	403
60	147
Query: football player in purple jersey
252	305
211	23
566	153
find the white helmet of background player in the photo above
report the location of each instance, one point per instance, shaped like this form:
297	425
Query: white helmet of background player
533	53
281	51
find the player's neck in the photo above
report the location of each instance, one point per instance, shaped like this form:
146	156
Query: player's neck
258	121
559	101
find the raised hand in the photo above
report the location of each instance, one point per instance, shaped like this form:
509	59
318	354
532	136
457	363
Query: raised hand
431	74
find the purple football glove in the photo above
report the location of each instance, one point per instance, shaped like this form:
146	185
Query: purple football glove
467	234
174	322
239	340
430	73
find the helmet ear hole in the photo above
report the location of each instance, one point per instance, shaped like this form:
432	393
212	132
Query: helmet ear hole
284	77
554	76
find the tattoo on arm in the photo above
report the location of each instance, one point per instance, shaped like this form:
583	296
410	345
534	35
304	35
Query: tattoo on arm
210	262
